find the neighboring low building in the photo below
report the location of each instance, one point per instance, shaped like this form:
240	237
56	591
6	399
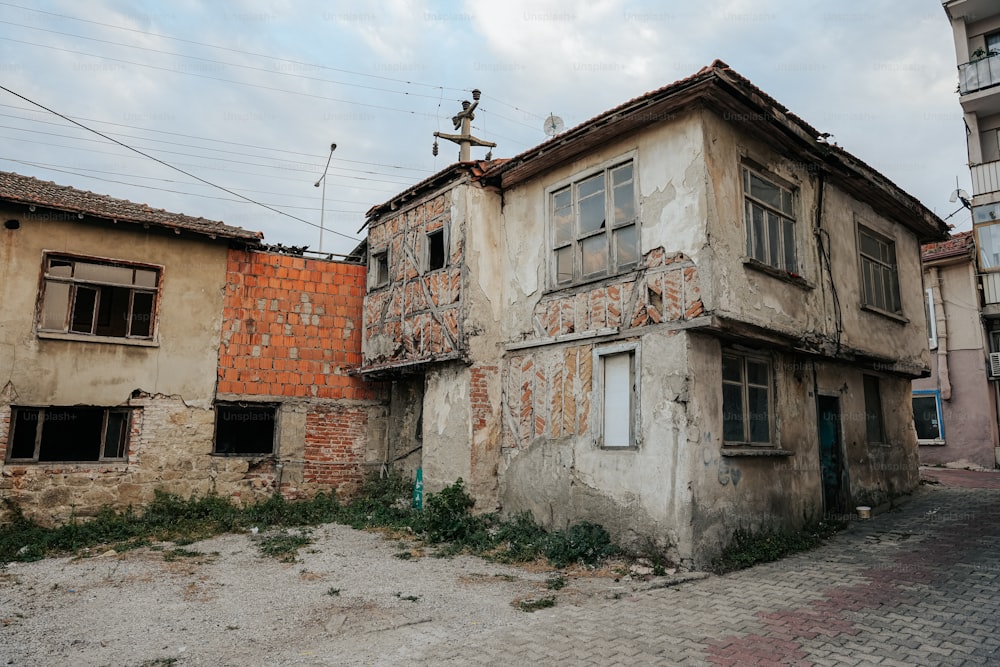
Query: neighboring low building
685	316
116	323
955	409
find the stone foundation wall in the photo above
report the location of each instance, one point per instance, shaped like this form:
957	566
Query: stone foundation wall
169	449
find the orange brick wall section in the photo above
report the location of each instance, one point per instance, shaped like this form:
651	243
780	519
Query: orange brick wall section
335	447
291	327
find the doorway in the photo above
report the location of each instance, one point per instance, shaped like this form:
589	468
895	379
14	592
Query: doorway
831	459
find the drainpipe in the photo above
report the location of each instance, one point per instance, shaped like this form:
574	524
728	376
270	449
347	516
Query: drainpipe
944	380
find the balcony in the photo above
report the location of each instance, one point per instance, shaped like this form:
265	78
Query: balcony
979	74
985	178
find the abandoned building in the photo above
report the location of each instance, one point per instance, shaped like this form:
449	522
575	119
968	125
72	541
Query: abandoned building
687	315
144	350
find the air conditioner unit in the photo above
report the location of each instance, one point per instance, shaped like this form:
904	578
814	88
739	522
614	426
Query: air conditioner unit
994	368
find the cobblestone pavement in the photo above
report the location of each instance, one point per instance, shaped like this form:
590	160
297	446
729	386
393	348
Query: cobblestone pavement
914	586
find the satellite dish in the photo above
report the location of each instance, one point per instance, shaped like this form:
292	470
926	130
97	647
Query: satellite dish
553	125
959	194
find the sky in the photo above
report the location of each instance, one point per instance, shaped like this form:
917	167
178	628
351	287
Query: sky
248	95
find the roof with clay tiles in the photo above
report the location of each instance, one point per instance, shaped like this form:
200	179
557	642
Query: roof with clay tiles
31	191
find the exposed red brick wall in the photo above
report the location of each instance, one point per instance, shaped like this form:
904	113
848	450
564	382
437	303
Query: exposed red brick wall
335	447
292	327
482	410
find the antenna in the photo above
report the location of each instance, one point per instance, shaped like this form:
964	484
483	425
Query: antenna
960	195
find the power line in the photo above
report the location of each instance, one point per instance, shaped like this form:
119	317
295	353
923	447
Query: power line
218	62
67	167
218	78
170	166
263	55
269	177
231	50
39	165
200	138
221	159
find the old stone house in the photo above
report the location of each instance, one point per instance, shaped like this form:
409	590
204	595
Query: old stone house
144	350
687	315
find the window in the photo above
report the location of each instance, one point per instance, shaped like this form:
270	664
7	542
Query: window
594	226
770	221
98	298
879	279
746	399
617	392
245	429
874	426
931	315
435	250
927	416
988	242
380	269
68	434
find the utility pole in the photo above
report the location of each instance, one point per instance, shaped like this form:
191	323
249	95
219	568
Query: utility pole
463	121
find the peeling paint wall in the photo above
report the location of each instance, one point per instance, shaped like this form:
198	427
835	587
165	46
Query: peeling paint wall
416	315
829	295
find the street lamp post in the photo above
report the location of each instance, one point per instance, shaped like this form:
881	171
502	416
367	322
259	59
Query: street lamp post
322	206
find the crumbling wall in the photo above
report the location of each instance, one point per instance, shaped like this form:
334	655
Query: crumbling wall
416	315
291	335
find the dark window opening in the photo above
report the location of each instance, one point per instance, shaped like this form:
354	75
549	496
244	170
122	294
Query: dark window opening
927	417
435	250
874	424
68	434
244	430
380	268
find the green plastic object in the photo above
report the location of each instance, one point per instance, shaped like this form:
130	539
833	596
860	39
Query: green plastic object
418	490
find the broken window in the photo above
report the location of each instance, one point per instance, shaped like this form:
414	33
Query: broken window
746	399
98	298
770	222
245	429
595	226
927	416
435	250
874	424
61	434
879	278
616	388
380	268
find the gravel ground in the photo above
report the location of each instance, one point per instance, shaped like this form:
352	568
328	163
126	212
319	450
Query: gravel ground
347	599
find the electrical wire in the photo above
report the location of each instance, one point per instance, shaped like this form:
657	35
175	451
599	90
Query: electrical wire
170	166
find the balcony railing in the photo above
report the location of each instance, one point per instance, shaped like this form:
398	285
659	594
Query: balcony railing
979	74
985	178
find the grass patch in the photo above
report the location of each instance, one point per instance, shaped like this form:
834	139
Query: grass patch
556	581
534	604
285	545
383	503
748	548
180	552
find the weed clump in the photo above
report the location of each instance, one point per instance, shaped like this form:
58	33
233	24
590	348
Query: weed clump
748	548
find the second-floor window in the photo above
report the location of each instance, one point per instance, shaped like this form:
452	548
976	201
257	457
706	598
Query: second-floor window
879	276
98	298
770	222
594	226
